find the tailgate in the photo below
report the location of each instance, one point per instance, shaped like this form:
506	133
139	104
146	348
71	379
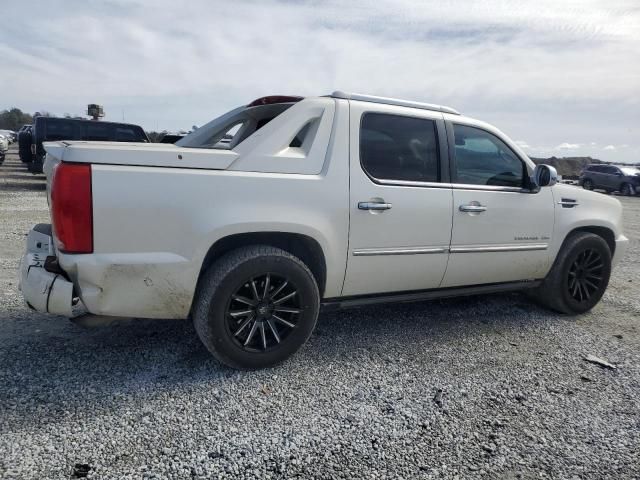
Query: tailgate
137	154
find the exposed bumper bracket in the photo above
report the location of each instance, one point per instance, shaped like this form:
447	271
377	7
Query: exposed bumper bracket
45	291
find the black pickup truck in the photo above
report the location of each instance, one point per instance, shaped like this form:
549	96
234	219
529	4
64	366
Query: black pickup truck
47	129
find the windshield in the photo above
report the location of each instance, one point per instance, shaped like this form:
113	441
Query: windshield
227	131
630	170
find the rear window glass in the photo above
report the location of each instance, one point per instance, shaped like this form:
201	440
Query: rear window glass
234	127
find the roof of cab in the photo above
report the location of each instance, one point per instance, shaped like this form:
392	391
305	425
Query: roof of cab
393	101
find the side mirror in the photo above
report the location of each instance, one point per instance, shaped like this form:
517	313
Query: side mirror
544	176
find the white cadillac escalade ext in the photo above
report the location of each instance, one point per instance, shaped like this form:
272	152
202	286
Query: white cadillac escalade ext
253	222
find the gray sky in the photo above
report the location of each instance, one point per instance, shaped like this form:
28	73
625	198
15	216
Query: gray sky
562	77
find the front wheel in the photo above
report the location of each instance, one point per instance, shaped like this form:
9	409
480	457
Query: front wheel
255	307
587	184
579	276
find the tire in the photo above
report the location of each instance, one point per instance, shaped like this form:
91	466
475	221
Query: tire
626	189
559	292
587	184
225	295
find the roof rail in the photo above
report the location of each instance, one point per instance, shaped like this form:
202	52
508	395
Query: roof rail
393	101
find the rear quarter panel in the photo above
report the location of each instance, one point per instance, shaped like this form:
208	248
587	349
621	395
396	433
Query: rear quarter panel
153	227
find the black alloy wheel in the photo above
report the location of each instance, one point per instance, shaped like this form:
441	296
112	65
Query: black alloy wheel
587	184
263	312
585	276
256	306
579	276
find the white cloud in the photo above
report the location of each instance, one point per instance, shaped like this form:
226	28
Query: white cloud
522	144
609	147
568	146
535	69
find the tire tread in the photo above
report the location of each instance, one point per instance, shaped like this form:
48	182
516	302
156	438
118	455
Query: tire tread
212	279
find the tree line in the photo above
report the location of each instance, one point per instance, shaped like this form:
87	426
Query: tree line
15	118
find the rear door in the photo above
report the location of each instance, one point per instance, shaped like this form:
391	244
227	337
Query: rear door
501	231
400	205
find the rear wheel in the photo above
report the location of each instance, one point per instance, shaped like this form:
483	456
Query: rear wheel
626	189
256	306
579	276
587	184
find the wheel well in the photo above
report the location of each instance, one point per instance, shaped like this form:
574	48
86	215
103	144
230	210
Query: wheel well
305	248
603	232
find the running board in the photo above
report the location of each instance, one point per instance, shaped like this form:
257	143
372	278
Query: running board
417	296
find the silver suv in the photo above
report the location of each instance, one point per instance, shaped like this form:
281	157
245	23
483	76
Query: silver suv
610	178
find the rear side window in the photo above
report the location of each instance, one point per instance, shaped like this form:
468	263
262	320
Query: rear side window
395	147
481	158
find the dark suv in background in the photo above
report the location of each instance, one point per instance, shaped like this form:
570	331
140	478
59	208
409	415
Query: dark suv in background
49	129
610	178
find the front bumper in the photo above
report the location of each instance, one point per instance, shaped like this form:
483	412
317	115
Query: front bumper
43	290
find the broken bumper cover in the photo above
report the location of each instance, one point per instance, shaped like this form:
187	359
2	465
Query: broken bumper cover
46	291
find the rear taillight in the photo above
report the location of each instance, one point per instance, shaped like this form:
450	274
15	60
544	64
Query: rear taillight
71	209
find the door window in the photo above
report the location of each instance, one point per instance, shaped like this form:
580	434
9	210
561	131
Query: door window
394	147
481	158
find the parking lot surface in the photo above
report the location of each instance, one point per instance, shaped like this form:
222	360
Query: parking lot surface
478	387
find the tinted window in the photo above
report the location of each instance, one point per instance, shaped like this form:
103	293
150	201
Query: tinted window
484	159
393	147
60	130
97	131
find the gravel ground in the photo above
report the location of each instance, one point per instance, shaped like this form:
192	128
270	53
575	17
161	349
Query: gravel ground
480	387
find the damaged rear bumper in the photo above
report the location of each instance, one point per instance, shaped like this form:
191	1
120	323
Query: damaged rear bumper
44	289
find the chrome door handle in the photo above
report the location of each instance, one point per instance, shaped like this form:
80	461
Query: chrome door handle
373	206
472	208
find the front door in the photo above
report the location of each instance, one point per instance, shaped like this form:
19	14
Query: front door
400	212
501	231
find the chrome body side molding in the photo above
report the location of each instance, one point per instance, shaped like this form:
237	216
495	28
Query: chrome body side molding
498	248
366	252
